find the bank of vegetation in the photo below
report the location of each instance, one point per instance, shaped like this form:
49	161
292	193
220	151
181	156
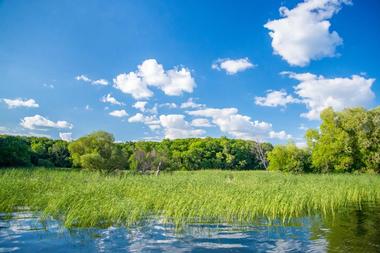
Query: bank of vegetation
86	199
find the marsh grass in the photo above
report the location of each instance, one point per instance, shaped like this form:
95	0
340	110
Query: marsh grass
88	199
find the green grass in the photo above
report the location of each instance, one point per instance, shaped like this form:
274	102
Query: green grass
81	198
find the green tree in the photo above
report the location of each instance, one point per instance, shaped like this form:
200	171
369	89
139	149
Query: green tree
347	141
97	151
59	154
289	158
14	151
331	148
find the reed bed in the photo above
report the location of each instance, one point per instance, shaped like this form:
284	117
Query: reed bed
88	199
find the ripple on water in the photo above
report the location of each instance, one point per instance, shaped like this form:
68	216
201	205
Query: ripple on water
24	232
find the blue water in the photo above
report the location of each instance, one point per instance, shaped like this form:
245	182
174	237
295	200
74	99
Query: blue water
24	232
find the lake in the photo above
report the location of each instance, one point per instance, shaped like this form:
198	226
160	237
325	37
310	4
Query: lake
349	231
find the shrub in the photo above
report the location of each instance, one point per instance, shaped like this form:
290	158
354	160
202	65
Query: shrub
289	158
45	163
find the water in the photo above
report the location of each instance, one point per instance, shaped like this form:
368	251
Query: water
351	231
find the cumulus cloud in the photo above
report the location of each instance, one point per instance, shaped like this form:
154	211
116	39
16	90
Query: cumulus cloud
191	104
281	135
200	123
86	79
276	98
139	117
303	33
140	105
100	82
19	102
40	122
151	121
319	92
110	99
232	66
132	84
118	113
175	127
172	82
66	136
231	122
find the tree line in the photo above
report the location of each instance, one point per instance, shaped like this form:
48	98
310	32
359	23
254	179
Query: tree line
346	141
99	151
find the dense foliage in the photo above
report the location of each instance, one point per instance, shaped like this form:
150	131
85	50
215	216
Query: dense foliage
14	151
98	151
289	158
347	141
37	151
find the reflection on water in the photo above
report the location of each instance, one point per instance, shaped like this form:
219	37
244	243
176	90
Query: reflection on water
352	231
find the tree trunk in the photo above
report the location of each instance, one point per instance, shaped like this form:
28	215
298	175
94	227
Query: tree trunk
158	168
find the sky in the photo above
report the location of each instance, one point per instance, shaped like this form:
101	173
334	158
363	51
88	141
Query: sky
148	70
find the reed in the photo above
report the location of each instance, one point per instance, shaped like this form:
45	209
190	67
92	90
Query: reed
87	199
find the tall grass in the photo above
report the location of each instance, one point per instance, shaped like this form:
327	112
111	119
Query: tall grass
81	198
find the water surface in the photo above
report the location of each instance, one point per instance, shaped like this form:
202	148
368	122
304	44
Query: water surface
350	231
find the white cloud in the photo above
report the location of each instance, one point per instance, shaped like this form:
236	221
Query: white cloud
276	98
232	66
318	92
191	104
140	105
19	102
20	132
231	122
132	84
140	118
154	127
40	122
172	82
151	121
66	136
88	108
110	99
83	78
180	81
282	135
175	126
169	105
303	33
118	113
100	82
200	123
86	79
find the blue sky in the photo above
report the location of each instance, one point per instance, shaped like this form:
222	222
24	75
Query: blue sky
243	69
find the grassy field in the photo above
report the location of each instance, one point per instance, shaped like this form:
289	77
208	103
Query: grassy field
81	198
